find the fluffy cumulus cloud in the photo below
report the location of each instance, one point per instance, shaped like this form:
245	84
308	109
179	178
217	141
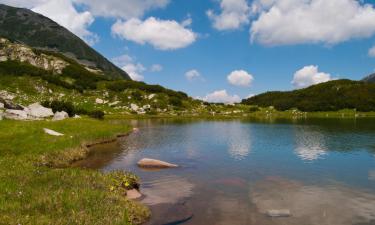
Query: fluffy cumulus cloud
156	68
64	13
371	52
221	96
162	34
286	22
240	78
129	65
192	75
125	9
234	14
309	75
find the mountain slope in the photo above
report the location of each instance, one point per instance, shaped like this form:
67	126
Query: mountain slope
329	96
370	78
37	31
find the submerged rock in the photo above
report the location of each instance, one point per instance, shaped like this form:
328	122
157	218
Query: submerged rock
133	194
60	116
154	163
52	132
279	213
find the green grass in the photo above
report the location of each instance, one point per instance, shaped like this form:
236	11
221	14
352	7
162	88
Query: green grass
34	194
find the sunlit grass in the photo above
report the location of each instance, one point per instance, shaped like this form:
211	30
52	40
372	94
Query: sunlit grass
34	194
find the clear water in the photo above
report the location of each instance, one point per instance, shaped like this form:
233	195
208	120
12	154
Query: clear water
233	172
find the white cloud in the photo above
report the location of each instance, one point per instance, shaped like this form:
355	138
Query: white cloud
240	78
125	9
286	22
64	13
371	51
221	96
192	75
162	34
156	68
234	14
129	65
309	75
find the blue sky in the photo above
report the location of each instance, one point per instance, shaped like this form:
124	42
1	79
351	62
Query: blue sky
308	41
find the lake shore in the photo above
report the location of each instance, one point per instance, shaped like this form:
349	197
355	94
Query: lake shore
39	186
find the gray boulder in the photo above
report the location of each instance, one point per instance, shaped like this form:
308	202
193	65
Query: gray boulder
154	163
15	114
60	116
38	111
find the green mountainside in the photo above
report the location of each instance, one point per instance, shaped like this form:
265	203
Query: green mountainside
330	96
37	31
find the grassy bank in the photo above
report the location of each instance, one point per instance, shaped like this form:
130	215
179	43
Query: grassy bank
32	193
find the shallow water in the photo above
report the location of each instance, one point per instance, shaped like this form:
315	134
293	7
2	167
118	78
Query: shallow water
233	172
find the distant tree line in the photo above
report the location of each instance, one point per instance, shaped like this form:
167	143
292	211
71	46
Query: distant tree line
329	96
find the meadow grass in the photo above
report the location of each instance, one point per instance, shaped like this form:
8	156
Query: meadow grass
31	193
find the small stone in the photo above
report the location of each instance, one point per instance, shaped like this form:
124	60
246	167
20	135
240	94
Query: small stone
133	194
134	107
279	213
52	132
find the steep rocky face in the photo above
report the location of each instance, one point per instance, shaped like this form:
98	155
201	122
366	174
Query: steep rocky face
37	31
22	53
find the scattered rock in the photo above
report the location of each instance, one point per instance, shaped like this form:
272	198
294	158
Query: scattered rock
151	96
38	111
279	213
9	105
52	132
114	103
154	163
134	107
77	117
99	101
15	114
133	194
60	116
1	105
6	95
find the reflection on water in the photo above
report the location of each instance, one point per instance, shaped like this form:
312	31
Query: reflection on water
233	172
310	144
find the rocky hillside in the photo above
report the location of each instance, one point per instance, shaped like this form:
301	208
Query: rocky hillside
370	78
37	31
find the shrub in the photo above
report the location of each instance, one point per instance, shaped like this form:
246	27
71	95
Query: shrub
97	114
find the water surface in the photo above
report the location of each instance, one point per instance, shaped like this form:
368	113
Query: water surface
233	172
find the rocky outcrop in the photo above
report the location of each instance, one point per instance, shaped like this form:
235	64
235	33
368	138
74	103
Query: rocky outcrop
154	163
60	116
22	53
15	114
38	111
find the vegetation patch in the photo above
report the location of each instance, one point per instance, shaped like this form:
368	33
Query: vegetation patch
31	193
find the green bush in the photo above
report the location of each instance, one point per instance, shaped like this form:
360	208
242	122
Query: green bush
97	114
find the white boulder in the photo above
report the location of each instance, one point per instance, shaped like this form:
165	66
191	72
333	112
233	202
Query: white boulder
60	116
134	107
1	105
99	101
154	163
38	111
15	114
52	132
